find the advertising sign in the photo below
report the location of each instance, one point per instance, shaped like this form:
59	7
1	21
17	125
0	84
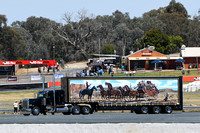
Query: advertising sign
35	77
12	78
29	62
132	91
58	76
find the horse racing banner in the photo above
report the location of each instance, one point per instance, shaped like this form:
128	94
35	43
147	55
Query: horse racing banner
125	90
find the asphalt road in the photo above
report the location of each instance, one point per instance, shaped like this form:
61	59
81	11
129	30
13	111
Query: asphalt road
175	117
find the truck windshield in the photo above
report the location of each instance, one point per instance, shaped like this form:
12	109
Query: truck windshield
40	94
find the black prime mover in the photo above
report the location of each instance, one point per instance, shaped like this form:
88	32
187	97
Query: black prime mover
85	95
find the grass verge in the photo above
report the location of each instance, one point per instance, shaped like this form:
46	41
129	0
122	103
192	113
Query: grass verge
8	98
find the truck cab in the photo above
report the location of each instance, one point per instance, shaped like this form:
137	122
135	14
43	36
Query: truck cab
45	103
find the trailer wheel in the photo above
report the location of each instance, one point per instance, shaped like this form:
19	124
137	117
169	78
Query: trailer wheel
76	110
144	109
36	111
168	109
85	110
156	110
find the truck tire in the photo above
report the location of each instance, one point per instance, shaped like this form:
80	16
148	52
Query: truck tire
168	109
144	110
76	110
156	110
137	112
85	110
26	114
66	113
36	111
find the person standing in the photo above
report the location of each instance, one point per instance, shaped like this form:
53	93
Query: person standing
20	105
15	105
58	68
39	69
54	69
48	69
43	68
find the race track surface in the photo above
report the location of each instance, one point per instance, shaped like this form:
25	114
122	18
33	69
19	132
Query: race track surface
175	117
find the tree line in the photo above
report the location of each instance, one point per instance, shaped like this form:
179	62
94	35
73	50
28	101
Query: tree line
166	28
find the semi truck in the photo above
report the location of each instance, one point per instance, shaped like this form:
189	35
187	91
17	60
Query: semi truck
85	95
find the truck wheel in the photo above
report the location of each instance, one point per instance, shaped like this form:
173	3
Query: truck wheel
85	110
156	110
26	114
137	112
36	111
144	109
168	109
66	113
76	110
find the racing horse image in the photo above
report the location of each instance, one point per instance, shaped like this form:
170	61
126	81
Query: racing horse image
104	94
111	92
128	92
88	92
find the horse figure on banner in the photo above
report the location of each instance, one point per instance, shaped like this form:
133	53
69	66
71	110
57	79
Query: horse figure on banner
111	91
130	93
88	92
103	93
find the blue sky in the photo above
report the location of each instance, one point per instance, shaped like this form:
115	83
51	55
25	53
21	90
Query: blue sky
54	10
160	84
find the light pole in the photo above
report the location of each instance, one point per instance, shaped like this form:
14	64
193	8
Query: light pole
53	52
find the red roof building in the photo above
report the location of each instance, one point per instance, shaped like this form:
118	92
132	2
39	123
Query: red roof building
142	60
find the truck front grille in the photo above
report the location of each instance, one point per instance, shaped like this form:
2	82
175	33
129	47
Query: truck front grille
25	104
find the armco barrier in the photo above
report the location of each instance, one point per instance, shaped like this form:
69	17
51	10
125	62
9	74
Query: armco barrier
103	128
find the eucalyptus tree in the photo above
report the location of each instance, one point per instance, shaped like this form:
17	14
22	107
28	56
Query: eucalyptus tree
176	19
3	21
76	34
193	34
11	43
44	41
176	7
105	33
28	52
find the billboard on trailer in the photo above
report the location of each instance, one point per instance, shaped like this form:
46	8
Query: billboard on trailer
125	90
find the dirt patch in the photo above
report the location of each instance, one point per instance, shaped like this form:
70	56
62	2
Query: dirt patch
76	64
25	70
73	64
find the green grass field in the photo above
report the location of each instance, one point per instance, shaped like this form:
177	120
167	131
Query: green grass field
159	73
8	98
